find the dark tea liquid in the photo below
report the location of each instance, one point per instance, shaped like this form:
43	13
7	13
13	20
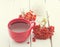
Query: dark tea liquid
20	27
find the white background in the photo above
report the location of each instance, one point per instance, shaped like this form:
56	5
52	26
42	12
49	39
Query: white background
10	9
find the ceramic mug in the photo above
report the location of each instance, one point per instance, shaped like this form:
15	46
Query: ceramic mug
20	36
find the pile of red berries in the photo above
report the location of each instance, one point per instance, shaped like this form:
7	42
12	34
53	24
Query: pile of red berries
43	32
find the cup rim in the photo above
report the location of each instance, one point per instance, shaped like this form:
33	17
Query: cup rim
15	20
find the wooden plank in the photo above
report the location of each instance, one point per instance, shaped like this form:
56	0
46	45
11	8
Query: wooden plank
54	14
3	37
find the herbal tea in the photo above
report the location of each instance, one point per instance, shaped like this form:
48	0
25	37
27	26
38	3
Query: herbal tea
19	26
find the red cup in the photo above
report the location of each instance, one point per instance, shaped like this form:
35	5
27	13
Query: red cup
20	36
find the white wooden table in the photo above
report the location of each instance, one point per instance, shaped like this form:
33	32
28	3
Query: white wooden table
10	9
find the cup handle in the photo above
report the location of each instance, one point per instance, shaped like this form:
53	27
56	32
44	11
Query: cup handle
32	24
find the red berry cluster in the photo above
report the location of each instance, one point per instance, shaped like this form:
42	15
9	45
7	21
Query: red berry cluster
31	16
43	32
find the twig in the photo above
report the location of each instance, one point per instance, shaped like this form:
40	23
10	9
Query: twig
49	25
51	42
